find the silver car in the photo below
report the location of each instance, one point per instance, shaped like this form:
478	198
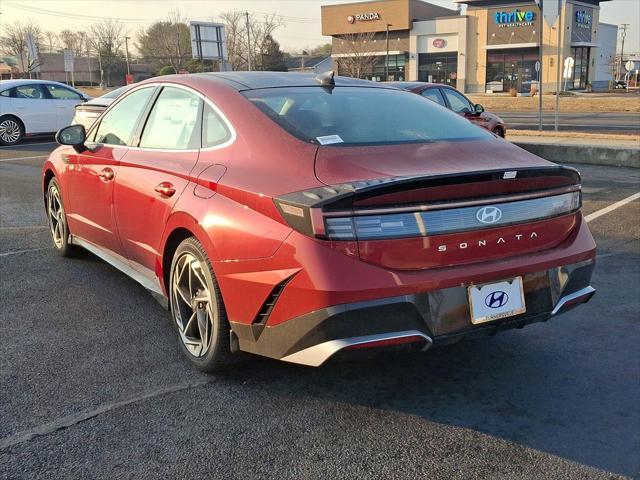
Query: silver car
88	112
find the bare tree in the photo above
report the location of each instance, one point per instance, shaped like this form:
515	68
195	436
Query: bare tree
107	39
242	45
356	51
73	41
52	39
166	43
14	42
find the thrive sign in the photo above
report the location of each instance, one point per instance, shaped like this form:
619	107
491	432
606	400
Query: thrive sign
514	18
583	19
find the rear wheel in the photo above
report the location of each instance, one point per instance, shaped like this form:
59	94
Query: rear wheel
57	220
197	309
11	130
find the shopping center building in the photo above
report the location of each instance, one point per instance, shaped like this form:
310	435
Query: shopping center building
493	47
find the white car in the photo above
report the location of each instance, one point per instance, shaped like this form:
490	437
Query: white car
35	107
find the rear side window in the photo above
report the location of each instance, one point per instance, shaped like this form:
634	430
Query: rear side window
29	92
118	124
6	93
174	121
61	93
214	129
435	95
361	115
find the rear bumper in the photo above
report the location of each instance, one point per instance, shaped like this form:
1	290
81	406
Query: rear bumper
420	320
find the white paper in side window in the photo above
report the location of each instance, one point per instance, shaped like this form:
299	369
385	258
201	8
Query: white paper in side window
329	139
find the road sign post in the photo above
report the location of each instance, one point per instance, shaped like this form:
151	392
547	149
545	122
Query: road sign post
68	64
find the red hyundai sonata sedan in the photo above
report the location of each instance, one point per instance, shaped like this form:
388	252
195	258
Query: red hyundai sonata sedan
304	218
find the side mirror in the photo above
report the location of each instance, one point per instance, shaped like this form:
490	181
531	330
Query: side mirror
73	135
478	109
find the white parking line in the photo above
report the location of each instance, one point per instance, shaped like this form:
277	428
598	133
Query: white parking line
14	159
28	250
612	207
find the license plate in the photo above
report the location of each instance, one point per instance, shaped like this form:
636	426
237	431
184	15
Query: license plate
493	301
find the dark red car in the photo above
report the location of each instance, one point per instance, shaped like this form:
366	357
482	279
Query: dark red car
300	218
452	99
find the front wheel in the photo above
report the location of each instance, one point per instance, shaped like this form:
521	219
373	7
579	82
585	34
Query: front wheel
197	309
57	220
499	131
11	131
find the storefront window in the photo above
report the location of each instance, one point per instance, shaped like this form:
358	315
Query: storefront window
438	67
397	69
507	69
581	67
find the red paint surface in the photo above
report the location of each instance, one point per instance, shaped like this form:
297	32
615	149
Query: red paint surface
224	197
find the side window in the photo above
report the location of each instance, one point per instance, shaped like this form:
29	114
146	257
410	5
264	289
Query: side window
118	124
61	93
458	102
435	95
29	92
173	122
214	130
6	93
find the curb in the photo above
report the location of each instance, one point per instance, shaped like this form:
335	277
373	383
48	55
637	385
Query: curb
589	154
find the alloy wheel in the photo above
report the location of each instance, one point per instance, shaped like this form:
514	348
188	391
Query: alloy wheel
9	131
55	213
193	308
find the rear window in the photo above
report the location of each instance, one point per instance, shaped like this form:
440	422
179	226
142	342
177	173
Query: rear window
361	115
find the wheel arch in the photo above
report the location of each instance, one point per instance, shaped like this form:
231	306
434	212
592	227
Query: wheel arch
180	226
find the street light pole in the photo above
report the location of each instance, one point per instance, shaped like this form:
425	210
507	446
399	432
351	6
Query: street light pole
624	27
541	22
126	49
559	65
386	59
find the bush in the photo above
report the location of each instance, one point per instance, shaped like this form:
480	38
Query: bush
168	70
513	92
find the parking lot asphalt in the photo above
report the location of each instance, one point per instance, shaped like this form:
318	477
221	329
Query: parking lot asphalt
92	384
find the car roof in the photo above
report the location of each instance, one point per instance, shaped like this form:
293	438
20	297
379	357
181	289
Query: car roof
254	80
25	81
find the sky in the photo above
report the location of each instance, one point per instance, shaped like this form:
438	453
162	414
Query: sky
301	18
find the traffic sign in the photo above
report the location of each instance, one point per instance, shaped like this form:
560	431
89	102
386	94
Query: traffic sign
629	65
537	67
569	62
68	60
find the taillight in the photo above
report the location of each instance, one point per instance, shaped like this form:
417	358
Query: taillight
329	213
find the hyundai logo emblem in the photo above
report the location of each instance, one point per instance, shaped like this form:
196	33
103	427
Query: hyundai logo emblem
489	214
496	299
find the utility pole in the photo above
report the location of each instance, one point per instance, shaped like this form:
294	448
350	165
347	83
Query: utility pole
624	28
246	16
386	59
126	50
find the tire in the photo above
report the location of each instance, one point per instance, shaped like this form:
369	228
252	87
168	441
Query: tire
499	131
197	309
57	220
11	130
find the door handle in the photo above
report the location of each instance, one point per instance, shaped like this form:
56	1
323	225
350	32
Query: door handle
106	175
165	189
